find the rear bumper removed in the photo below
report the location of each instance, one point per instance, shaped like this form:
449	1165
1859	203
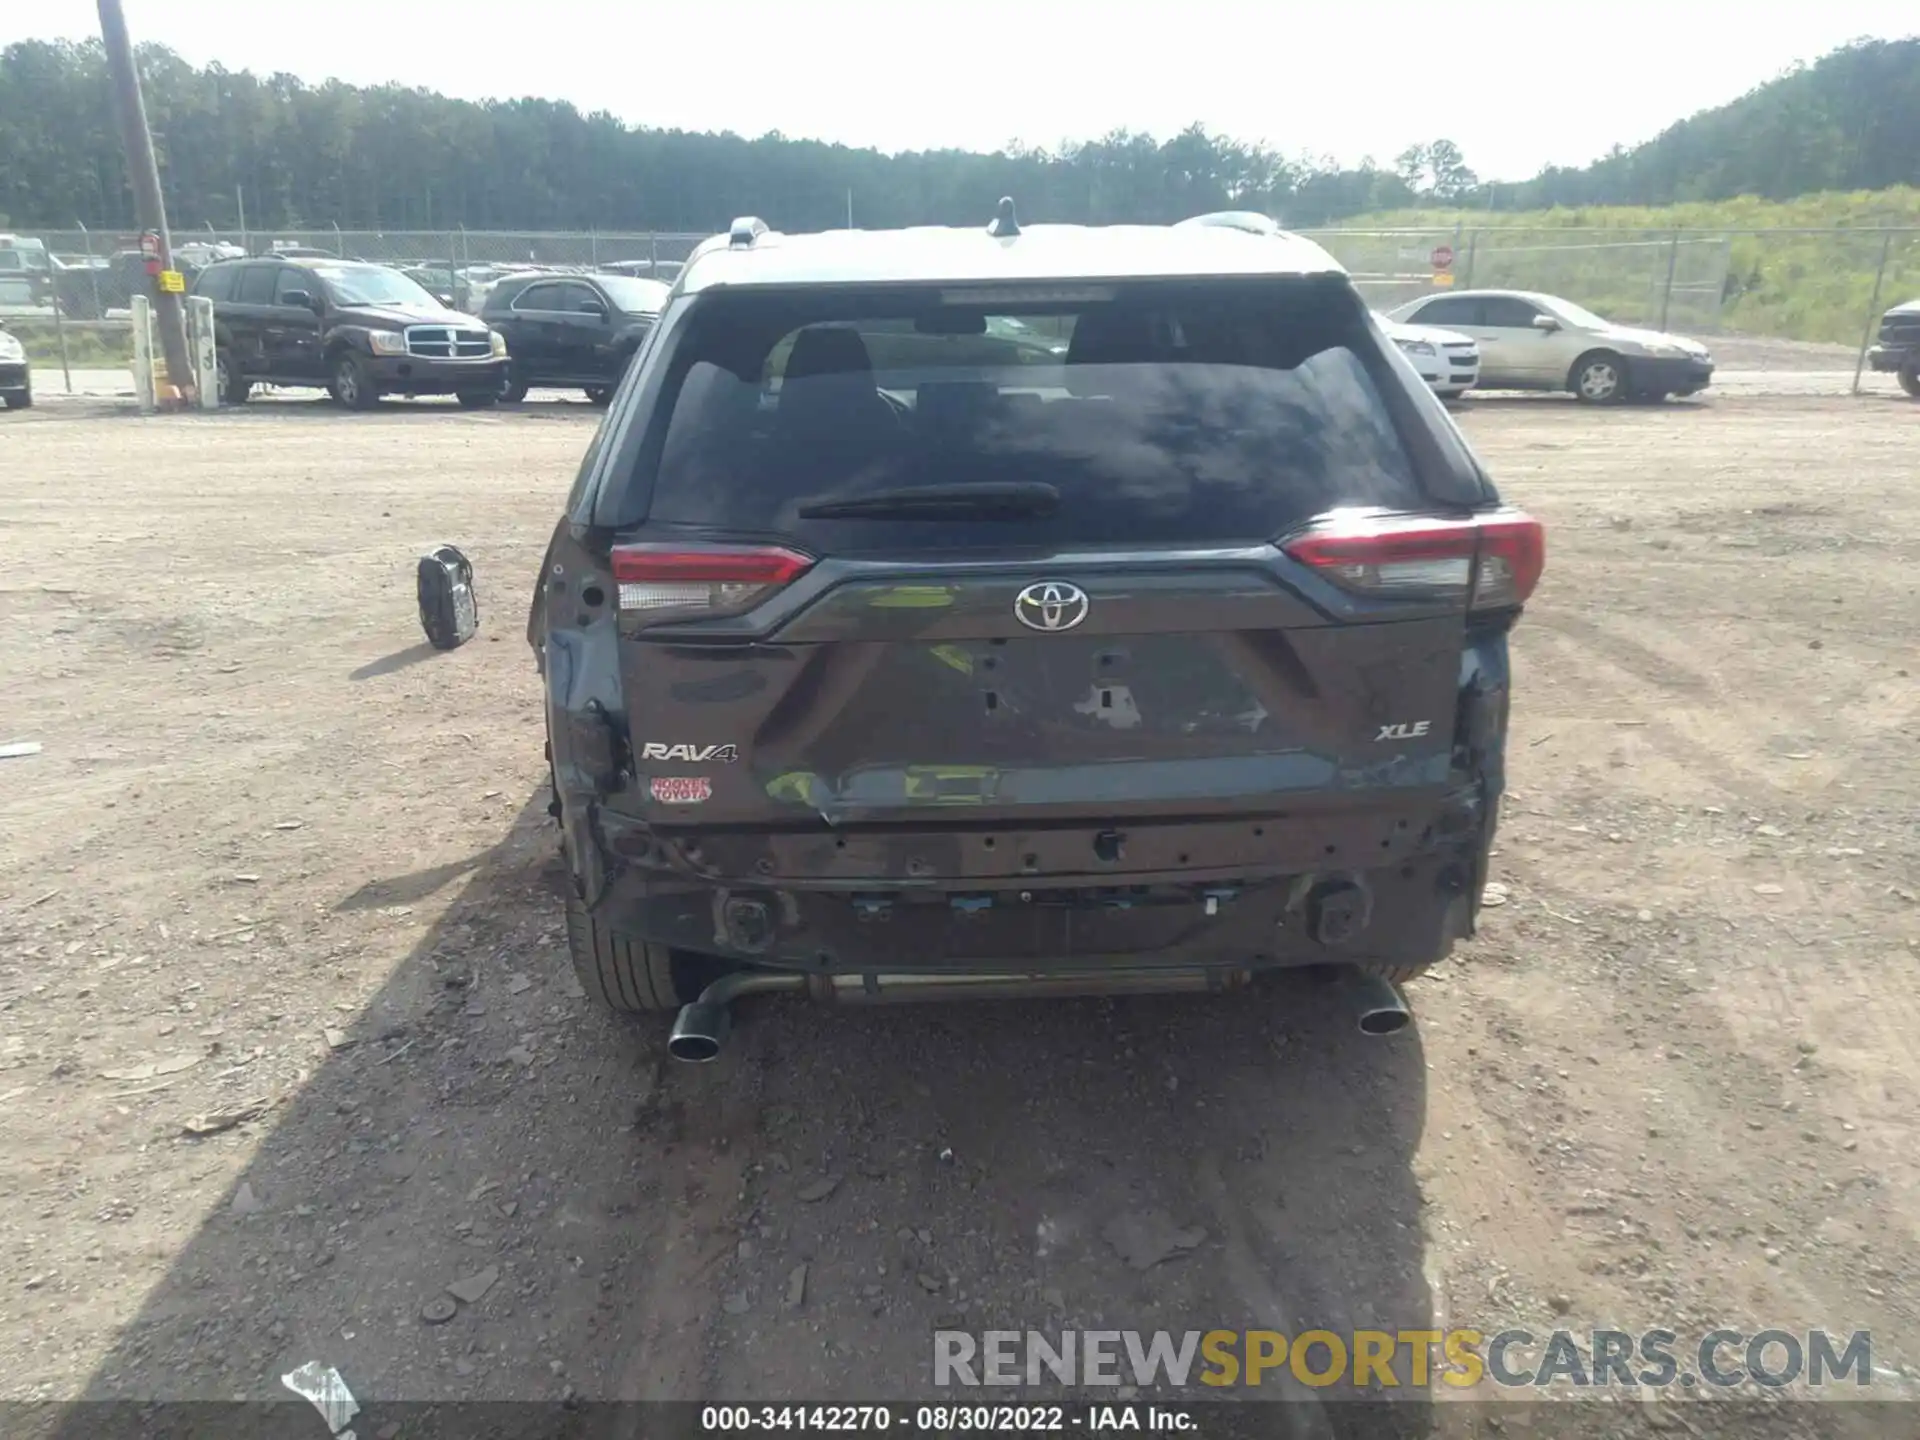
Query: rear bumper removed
1402	898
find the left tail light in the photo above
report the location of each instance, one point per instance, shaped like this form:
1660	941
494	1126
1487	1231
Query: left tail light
695	581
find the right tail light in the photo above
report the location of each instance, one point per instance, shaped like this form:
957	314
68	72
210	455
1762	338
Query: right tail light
1493	561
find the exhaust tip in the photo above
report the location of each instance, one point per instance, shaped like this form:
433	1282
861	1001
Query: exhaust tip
1376	1005
698	1033
697	1049
1385	1022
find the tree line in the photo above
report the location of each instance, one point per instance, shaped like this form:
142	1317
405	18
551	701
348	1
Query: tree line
389	157
1849	121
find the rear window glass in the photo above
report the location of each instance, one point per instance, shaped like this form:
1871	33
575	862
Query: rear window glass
1176	415
635	297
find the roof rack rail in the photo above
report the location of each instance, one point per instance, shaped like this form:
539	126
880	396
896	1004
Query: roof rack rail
744	231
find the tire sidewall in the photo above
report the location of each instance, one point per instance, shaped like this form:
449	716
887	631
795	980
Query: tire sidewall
353	395
233	391
1577	380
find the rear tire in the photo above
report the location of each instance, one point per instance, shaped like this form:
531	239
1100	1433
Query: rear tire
620	972
600	395
477	399
1599	378
233	386
512	388
1910	378
350	384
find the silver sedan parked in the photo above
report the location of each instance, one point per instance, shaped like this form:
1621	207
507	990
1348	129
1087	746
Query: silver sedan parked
1530	341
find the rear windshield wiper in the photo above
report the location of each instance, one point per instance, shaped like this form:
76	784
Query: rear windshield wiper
992	500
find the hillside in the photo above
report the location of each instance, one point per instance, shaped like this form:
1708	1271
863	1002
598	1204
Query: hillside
1848	121
1811	286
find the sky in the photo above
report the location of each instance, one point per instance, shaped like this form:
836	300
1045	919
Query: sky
1516	85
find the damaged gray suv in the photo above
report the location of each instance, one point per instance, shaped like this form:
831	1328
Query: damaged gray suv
1019	610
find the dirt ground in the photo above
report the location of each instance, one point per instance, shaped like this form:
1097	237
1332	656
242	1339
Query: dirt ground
284	873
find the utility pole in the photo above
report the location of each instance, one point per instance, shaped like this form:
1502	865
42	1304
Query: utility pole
143	172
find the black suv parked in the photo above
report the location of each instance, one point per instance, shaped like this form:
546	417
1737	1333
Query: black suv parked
1899	347
361	330
571	330
16	372
1174	657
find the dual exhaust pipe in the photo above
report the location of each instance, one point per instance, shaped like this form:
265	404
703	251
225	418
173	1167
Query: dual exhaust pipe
700	1030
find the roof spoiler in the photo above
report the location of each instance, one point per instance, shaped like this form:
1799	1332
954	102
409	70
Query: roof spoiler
1250	221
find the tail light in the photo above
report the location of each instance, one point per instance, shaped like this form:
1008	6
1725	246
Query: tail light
1492	561
694	581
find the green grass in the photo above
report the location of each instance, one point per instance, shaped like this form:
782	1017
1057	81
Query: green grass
1794	286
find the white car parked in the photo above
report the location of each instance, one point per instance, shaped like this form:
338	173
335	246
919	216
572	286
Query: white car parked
1530	341
1447	360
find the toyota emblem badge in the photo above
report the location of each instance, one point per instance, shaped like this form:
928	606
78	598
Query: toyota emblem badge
1051	605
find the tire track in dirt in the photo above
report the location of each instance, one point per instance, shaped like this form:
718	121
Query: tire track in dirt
1689	742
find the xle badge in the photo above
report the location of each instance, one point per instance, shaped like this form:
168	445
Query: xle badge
1403	731
699	754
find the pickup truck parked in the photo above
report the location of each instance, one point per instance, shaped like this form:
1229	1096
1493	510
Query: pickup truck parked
1898	350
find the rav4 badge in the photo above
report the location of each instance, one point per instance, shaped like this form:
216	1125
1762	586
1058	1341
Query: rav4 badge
699	754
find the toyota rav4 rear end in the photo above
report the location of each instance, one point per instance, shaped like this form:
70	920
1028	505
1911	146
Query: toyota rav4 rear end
1165	650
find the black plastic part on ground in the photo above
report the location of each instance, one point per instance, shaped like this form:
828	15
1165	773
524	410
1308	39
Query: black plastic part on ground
448	612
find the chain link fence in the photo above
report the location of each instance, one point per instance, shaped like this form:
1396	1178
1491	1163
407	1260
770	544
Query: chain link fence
1777	301
1659	281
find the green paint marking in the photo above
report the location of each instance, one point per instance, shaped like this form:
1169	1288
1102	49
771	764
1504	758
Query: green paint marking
912	597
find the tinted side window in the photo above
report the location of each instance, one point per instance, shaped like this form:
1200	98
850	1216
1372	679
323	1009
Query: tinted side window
289	280
578	299
548	296
215	282
1503	312
1448	310
255	285
1193	414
